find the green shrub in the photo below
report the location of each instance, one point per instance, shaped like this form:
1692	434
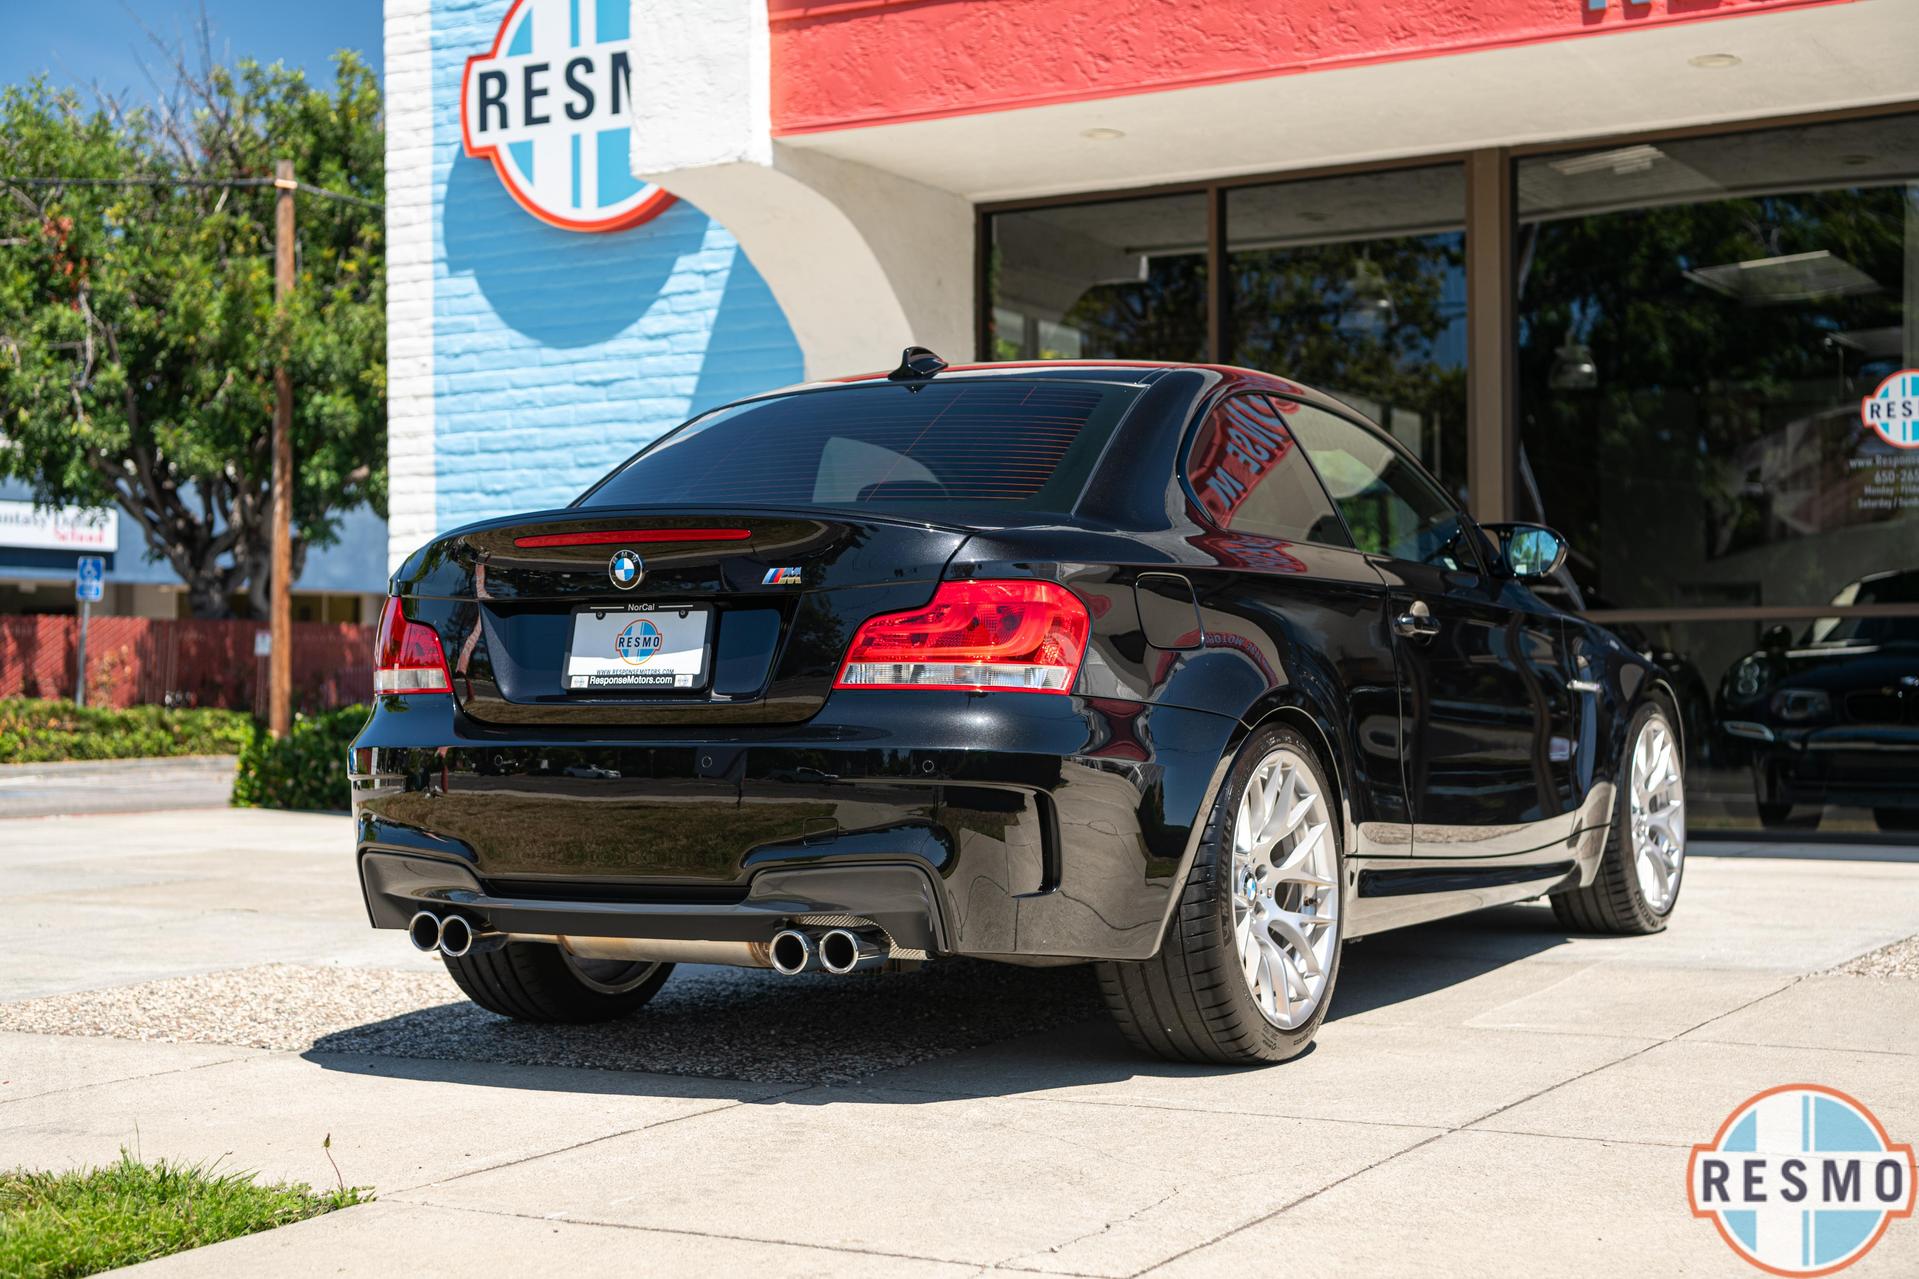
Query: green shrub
62	1225
35	731
305	769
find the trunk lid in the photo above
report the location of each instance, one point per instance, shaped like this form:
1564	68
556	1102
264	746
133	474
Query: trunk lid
779	595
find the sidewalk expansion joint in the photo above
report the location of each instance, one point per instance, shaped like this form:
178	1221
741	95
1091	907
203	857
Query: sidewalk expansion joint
723	1105
1469	1124
561	1219
246	1054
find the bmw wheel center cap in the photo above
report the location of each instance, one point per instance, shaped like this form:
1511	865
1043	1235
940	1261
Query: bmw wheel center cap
626	569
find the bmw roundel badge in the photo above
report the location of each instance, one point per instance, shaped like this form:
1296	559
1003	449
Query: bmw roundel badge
626	569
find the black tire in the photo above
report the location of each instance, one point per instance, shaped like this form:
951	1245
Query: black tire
1774	816
534	981
1190	1002
1614	902
1896	821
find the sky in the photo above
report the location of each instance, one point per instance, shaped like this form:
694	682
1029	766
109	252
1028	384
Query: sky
79	42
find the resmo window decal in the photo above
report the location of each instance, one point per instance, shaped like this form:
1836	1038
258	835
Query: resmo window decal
548	105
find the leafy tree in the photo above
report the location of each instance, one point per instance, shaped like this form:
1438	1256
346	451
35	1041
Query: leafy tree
138	332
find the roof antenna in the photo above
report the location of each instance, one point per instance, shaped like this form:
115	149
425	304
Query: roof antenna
917	365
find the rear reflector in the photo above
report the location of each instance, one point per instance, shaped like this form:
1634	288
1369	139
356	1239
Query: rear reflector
615	536
1025	637
407	657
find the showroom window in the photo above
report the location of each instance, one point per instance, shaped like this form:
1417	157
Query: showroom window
1112	280
1356	286
1672	356
1700	324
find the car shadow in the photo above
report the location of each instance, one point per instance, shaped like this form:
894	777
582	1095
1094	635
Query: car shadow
958	1027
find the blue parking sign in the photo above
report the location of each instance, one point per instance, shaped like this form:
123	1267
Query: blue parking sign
90	578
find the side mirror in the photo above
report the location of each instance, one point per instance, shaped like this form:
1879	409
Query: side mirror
1776	638
1529	552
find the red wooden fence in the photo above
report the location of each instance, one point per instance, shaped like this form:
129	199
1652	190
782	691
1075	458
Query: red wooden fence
133	661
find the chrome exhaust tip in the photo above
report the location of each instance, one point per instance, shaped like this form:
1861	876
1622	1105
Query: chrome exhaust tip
844	951
456	936
791	951
423	930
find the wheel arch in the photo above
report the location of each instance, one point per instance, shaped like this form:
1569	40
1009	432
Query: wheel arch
1299	713
1300	716
1660	689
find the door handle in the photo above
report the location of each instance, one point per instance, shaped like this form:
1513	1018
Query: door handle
1417	622
1583	685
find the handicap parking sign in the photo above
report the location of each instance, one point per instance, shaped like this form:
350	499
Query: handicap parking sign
90	578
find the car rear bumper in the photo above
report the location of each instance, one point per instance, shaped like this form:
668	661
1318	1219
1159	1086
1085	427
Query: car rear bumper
1003	824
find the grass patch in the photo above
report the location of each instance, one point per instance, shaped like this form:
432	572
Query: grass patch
37	730
57	1225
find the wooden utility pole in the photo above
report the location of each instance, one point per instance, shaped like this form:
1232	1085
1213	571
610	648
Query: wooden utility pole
280	607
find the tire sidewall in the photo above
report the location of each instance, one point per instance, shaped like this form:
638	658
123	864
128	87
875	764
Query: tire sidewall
1269	1042
1622	816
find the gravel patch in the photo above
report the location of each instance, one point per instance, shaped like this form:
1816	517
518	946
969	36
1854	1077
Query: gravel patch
1901	959
722	1023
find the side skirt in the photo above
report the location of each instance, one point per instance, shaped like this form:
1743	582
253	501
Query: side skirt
1398	898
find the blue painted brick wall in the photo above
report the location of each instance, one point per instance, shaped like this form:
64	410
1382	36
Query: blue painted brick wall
556	354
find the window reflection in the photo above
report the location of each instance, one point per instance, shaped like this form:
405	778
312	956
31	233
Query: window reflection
1115	279
1251	477
1699	322
1356	286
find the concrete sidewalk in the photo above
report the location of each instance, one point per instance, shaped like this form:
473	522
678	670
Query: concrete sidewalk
1490	1096
116	785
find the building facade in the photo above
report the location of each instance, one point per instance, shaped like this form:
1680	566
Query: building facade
40	550
1642	271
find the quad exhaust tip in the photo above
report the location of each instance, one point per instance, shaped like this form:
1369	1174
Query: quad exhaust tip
844	951
453	936
423	930
456	936
791	951
837	950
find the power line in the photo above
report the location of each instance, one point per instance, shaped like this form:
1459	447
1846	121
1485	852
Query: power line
302	187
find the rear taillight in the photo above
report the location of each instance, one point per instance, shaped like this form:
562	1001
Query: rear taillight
407	657
1023	637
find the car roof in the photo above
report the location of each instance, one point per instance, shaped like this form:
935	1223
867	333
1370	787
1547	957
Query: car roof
1128	372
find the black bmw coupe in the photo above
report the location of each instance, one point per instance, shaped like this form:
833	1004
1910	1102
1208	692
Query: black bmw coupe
1186	670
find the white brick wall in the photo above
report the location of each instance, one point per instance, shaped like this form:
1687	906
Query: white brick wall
409	299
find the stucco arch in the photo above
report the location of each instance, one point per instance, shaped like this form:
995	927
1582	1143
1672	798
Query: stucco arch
862	262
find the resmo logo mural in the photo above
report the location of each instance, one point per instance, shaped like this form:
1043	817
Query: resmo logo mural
548	103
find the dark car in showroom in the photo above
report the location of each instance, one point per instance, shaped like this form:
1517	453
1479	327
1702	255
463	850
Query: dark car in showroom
1188	671
1833	718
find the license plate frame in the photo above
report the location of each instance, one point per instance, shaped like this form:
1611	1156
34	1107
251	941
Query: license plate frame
607	672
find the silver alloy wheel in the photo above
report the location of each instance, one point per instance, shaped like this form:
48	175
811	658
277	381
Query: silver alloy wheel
1285	889
1656	800
608	976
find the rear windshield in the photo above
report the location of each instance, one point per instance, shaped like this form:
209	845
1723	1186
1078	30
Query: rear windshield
1004	444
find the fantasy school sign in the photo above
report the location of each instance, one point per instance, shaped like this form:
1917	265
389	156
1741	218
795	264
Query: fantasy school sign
548	105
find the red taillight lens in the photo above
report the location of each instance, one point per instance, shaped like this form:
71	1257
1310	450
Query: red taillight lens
1025	637
407	657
